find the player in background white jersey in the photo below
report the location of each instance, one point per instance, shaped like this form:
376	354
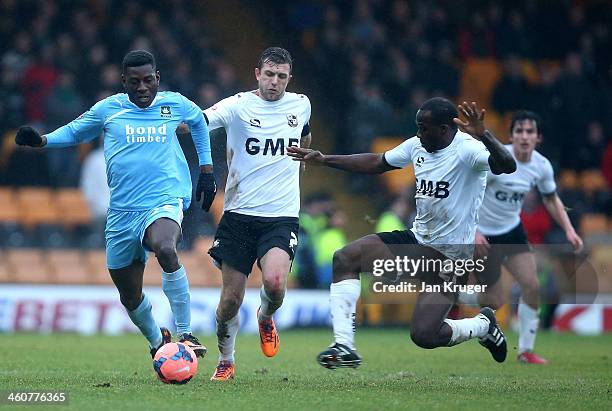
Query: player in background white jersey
501	234
450	168
262	199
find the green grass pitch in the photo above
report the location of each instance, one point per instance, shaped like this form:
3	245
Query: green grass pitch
101	372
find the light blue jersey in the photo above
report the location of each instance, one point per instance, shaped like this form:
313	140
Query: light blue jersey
145	165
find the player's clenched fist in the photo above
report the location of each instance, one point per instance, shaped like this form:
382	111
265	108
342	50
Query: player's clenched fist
207	188
27	136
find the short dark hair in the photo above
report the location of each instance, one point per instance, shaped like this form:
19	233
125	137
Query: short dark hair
275	55
137	58
522	115
442	110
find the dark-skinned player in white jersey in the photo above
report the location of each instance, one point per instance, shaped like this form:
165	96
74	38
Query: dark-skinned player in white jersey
500	233
453	156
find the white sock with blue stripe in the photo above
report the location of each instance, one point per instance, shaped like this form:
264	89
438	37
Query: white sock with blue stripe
176	288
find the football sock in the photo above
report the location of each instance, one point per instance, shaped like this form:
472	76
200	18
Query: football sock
343	298
467	328
268	306
226	337
142	317
176	288
528	326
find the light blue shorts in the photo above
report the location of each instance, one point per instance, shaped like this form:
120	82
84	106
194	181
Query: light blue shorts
125	231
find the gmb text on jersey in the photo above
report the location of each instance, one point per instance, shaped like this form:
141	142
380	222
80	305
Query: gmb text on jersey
148	134
254	146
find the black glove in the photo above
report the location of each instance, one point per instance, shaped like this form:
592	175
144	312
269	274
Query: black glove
206	186
27	136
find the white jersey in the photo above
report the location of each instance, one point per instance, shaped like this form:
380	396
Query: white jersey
262	180
450	185
501	208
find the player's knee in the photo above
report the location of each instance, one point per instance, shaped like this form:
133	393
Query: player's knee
344	265
423	338
274	290
130	301
167	257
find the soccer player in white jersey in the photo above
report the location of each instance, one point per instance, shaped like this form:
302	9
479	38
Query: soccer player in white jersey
500	232
450	167
262	198
150	186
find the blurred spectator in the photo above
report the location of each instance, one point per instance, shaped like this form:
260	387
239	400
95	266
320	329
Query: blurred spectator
513	91
38	81
326	243
94	186
589	152
513	36
607	164
476	39
400	214
372	116
398	46
313	220
27	166
12	103
63	105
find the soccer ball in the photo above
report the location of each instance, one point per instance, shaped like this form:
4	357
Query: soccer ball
175	363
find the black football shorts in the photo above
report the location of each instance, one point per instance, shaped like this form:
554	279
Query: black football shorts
243	239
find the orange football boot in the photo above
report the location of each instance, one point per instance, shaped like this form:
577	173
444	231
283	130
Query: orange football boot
225	371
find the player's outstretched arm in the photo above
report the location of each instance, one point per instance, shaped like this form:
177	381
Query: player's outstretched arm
500	159
557	210
366	163
28	136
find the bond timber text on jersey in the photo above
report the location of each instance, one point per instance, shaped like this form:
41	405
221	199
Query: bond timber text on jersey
145	165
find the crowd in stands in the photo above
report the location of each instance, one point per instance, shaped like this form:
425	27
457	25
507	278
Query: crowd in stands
378	60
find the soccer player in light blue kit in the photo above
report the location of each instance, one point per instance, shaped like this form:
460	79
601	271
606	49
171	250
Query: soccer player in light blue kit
150	186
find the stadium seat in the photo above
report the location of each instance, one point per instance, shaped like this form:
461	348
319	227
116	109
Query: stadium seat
568	180
95	261
593	224
28	266
73	208
495	124
68	267
395	181
6	275
530	71
36	206
9	210
478	79
592	181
